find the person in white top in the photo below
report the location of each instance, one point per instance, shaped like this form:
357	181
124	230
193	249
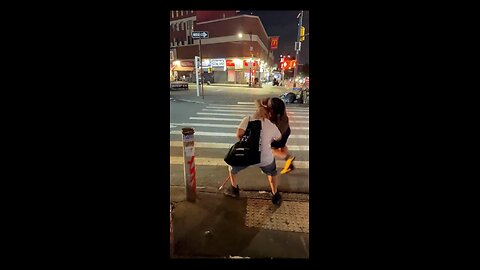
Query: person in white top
268	134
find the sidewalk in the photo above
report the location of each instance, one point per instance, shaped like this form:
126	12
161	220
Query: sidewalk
221	84
216	226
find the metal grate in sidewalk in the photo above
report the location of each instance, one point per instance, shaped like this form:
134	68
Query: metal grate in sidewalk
291	216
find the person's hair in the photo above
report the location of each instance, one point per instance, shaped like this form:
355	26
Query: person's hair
262	111
277	107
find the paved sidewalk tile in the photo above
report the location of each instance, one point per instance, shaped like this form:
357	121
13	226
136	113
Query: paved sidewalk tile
215	227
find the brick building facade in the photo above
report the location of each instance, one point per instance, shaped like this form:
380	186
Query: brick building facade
227	53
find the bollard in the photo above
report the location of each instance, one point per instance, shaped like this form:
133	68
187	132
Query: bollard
189	171
172	242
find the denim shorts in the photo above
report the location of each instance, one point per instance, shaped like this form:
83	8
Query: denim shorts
268	170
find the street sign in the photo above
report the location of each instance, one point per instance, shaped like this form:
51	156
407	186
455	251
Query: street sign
199	34
298	46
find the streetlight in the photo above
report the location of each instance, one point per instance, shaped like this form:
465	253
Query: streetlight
240	35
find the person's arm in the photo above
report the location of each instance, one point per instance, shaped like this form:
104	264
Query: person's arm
240	133
277	135
242	127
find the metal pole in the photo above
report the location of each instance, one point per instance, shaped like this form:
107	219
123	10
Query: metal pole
201	65
298	50
189	171
196	73
251	57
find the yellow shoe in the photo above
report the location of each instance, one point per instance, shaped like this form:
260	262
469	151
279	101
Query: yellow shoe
288	165
289	169
289	162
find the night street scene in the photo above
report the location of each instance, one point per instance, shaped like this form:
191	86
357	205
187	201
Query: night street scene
239	76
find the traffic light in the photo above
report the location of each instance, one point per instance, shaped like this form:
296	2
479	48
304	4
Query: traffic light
302	34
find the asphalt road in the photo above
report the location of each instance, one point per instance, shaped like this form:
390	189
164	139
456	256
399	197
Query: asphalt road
214	119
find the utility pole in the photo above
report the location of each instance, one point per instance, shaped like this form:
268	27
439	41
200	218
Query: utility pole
201	65
297	48
251	57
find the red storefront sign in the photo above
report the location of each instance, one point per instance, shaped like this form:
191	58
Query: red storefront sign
230	63
247	62
187	64
273	43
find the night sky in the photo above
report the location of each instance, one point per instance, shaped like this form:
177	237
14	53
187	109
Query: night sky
284	23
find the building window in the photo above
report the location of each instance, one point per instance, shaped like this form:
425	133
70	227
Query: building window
181	12
176	13
183	27
178	26
183	42
186	11
192	11
172	14
178	42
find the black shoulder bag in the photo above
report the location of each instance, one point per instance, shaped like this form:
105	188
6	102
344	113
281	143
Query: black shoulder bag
246	151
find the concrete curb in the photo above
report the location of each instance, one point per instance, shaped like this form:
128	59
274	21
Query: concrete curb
257	194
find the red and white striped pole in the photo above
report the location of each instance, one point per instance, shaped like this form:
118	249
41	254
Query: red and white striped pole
172	242
189	164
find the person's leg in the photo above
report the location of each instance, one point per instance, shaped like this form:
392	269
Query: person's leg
288	167
233	190
280	153
271	172
232	177
273	183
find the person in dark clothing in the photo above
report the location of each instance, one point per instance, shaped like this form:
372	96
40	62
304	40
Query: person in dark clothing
278	116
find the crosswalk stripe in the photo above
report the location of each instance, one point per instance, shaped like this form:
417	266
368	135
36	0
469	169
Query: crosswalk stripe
249	103
228	145
225	134
250	108
247	111
237	119
219	161
243	115
224	126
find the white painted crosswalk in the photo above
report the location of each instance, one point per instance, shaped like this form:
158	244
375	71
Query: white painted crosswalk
215	131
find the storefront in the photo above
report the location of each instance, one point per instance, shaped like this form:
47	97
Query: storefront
221	70
184	70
